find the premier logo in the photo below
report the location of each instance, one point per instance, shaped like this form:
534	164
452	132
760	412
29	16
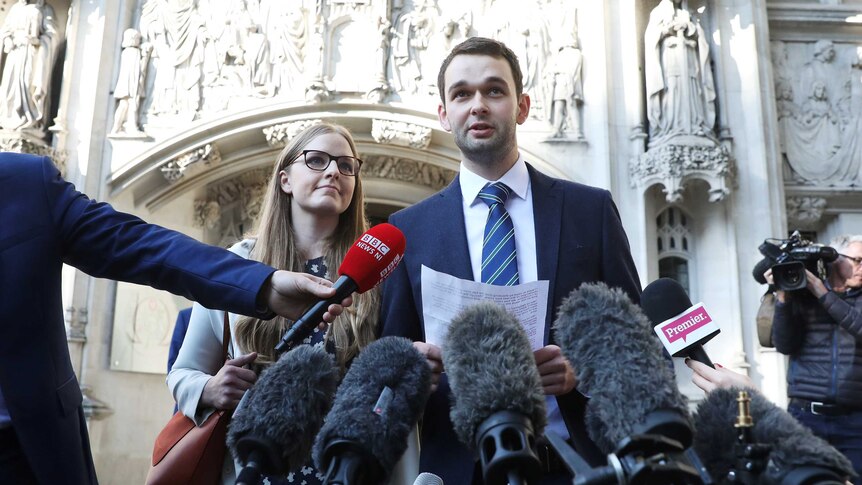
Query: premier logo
685	324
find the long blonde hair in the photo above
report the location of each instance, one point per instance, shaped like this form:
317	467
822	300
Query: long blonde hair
276	246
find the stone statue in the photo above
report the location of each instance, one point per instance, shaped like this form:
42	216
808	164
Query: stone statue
179	36
288	33
410	36
130	83
680	89
565	91
28	35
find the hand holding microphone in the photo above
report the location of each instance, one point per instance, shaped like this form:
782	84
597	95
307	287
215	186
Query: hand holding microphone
368	262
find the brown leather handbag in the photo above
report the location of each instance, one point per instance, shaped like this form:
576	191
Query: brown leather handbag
189	454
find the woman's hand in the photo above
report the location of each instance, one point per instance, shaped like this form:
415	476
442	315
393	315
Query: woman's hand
226	388
709	379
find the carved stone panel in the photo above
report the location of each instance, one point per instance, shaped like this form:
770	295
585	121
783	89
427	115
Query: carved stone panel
818	89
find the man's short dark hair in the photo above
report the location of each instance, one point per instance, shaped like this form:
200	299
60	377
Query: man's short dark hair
483	47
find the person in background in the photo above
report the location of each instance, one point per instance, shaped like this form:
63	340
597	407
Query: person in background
312	213
47	223
180	328
820	328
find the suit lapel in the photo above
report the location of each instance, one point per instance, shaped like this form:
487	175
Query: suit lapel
455	259
548	215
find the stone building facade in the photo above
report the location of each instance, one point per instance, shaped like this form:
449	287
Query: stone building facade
715	123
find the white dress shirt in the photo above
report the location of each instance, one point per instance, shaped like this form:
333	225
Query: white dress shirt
519	205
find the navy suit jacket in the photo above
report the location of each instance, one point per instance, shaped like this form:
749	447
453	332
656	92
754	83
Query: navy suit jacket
45	223
579	238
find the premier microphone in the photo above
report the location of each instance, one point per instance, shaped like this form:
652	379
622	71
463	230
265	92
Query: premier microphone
683	328
498	407
377	405
273	432
795	455
620	366
368	262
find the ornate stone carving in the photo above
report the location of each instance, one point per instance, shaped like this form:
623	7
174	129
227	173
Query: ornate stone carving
278	135
232	206
680	108
29	39
671	164
406	170
401	134
177	167
207	213
805	212
19	142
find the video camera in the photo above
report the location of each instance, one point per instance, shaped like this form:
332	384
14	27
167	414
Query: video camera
789	258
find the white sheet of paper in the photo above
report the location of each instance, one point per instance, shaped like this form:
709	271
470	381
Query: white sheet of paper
445	296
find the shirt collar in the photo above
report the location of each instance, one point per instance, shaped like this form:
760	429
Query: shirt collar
517	179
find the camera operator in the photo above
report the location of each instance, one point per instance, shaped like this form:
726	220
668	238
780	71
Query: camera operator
820	328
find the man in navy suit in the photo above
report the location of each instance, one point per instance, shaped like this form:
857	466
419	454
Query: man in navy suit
46	223
565	233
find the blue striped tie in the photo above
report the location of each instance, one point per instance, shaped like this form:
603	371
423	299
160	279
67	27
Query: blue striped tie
499	261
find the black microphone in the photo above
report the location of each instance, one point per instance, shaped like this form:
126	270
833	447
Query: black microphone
274	430
620	366
683	328
377	405
796	456
498	407
368	262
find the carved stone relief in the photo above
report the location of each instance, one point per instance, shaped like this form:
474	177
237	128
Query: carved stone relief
818	89
203	57
401	134
177	167
406	170
805	212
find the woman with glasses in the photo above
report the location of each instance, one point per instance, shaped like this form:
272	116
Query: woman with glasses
820	328
312	212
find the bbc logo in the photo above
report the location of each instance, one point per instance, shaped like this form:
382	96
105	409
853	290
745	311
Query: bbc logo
375	243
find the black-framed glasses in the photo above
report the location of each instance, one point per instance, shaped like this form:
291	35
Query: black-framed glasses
319	161
856	261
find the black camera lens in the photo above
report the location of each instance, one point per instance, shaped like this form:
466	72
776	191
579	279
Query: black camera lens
789	276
